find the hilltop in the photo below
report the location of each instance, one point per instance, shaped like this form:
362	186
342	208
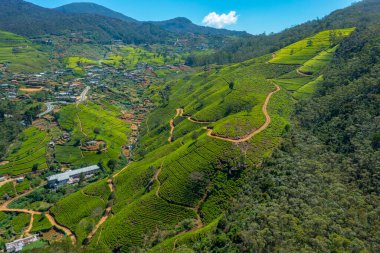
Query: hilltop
92	8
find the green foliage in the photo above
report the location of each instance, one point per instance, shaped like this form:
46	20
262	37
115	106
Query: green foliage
19	222
40	224
8	189
308	89
23	186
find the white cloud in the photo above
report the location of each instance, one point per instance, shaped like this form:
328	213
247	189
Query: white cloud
219	21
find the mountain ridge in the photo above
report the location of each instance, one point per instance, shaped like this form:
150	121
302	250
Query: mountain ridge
180	25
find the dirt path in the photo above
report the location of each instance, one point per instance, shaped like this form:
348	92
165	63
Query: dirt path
156	175
302	74
66	230
189	118
30	226
80	125
255	131
105	215
172	126
4	208
199	224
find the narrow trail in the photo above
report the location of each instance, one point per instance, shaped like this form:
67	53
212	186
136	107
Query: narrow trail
249	136
80	126
302	74
156	175
189	118
243	139
105	215
172	126
255	131
199	224
30	226
108	211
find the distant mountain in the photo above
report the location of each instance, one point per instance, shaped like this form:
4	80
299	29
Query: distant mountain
92	8
30	20
183	25
178	25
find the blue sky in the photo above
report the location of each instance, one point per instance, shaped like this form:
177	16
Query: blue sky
253	16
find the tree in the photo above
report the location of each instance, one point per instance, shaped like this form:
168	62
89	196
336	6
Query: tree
112	164
231	85
35	167
309	43
81	179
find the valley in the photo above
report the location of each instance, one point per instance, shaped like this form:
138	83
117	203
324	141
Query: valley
120	136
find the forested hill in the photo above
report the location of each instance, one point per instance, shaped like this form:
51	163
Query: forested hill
178	25
30	20
359	14
183	25
91	8
320	191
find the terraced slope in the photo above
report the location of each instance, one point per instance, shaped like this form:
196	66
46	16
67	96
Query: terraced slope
89	205
28	151
176	182
311	55
183	177
21	54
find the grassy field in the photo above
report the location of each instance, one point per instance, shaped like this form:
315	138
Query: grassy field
23	186
30	149
21	54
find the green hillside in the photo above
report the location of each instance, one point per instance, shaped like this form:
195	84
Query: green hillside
224	120
178	181
311	55
21	54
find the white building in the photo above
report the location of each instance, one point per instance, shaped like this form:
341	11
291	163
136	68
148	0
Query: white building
68	176
18	245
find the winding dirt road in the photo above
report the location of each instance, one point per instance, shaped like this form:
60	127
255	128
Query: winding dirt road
255	131
249	135
4	208
66	230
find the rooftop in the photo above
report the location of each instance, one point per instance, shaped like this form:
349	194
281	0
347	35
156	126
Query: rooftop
66	175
